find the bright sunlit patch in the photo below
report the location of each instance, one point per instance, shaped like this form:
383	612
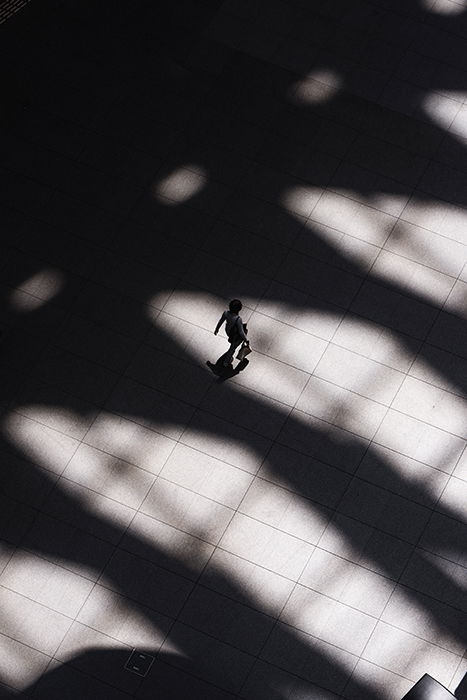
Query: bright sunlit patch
448	221
412	277
318	86
158	301
37	290
385	201
200	309
188	321
445	7
62	419
181	185
300	200
23	303
443	109
39	443
345	211
19	672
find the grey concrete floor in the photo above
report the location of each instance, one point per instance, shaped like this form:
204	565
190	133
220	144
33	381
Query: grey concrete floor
293	531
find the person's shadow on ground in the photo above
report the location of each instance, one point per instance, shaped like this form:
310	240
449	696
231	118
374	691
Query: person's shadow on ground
222	372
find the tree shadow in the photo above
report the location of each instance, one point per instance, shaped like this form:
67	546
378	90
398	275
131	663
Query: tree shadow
337	277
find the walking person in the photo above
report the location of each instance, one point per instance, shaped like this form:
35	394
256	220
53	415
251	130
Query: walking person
234	327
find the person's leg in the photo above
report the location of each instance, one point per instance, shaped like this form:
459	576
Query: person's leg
230	352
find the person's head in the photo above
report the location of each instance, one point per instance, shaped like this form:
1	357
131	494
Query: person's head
235	306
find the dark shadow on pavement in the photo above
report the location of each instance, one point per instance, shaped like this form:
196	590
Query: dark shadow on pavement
60	213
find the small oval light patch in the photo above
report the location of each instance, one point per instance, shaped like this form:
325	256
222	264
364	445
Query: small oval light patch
37	290
181	185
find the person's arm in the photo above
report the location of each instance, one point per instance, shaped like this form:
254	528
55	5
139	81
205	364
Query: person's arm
219	324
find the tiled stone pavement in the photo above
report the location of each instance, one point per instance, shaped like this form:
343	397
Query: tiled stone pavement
297	531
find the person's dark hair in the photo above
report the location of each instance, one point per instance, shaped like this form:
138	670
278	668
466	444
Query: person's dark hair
235	306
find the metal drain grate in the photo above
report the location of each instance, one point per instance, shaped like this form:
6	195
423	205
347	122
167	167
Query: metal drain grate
10	8
139	663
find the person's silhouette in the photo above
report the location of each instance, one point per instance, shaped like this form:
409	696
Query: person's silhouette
234	327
